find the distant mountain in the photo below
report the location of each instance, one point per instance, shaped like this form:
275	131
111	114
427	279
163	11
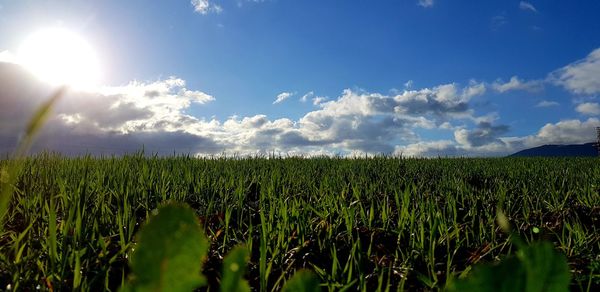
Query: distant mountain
580	150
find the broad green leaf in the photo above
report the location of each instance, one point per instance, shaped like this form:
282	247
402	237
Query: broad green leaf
547	270
508	276
302	281
170	252
536	268
234	267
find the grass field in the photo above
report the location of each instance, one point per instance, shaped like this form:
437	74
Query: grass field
363	224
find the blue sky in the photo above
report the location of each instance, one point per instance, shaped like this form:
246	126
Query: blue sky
379	68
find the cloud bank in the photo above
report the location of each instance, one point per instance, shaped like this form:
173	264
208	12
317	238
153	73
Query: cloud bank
155	115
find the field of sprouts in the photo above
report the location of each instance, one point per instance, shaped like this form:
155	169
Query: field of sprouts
358	224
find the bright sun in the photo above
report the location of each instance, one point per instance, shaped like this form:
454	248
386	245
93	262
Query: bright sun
60	57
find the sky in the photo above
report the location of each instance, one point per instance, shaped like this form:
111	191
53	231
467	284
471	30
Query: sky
327	77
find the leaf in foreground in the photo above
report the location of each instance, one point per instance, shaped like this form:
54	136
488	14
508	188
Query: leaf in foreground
8	177
536	268
170	252
508	275
302	281
234	267
547	270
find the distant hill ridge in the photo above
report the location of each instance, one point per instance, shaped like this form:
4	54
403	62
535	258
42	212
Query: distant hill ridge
578	150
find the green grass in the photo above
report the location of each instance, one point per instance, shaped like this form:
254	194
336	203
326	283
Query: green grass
359	224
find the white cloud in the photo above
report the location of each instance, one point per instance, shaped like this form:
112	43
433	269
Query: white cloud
318	100
523	5
580	77
446	126
588	108
201	6
446	100
517	84
205	6
425	3
160	105
427	149
373	122
563	132
307	96
474	89
547	103
283	96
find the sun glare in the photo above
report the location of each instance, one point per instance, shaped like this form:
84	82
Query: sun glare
60	57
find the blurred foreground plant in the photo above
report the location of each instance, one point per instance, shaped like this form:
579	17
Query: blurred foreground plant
9	175
170	251
535	268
